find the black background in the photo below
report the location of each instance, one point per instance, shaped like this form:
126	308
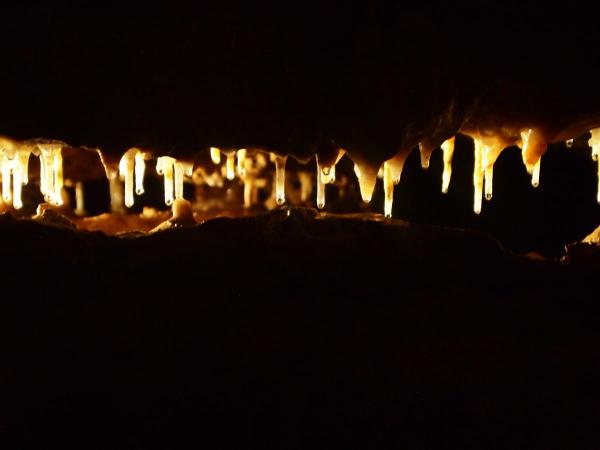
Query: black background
284	335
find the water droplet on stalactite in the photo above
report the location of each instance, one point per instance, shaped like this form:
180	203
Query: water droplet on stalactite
388	188
535	176
173	172
215	155
425	155
280	179
79	199
230	166
487	165
126	173
327	172
367	177
594	142
569	143
320	188
489	174
51	177
241	160
164	167
448	151
478	175
305	185
533	147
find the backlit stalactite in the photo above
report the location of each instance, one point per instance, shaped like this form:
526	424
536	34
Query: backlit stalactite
388	188
140	168
126	175
173	172
20	175
51	179
164	167
5	168
425	153
126	172
215	155
230	165
594	142
396	165
448	152
367	177
320	187
533	146
327	172
491	150
241	158
478	175
280	179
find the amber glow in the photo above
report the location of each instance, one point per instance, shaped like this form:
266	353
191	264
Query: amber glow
254	177
448	149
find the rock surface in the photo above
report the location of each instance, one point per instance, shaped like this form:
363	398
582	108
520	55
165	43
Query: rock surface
294	330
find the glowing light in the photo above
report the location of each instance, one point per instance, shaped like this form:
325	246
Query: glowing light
478	177
17	184
488	171
388	188
248	188
126	172
241	159
280	179
215	155
57	167
448	150
164	167
51	179
173	172
178	174
425	155
367	177
569	143
533	147
594	142
327	174
396	165
140	168
6	169
20	165
320	187
535	177
230	166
